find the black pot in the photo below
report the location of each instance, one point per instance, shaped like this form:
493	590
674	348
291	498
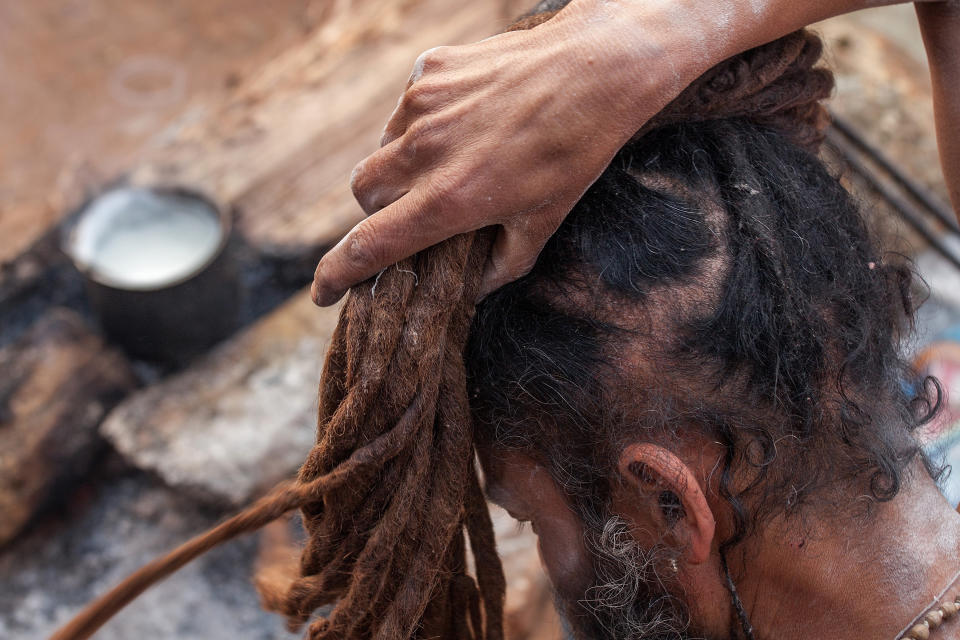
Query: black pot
169	322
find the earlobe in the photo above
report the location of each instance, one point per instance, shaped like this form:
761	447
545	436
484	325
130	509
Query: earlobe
643	464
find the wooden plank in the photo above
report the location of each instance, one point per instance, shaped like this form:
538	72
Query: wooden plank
885	92
58	382
282	148
85	85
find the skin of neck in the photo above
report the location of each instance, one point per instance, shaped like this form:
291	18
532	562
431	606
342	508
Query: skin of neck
843	572
874	575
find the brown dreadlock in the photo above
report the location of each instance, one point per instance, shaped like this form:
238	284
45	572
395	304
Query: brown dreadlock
389	494
390	489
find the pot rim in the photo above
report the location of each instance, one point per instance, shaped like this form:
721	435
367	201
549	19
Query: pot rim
68	236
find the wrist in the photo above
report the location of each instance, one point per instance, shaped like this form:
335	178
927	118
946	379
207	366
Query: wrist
693	35
631	56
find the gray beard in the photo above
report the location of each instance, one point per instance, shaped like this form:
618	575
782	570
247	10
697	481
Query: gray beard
630	598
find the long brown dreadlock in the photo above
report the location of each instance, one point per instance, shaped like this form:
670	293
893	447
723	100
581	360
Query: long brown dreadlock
390	489
389	494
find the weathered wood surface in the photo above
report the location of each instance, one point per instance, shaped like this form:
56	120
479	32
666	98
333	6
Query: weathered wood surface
58	381
282	147
88	86
886	93
241	418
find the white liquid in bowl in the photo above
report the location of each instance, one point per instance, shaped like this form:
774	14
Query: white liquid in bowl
139	239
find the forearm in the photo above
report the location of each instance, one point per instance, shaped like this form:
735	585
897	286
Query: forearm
733	26
612	39
940	25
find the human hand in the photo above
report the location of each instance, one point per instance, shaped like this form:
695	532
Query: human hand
509	131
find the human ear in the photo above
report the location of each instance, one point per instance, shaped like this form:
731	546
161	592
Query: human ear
680	499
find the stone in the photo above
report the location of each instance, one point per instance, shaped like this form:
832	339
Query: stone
238	420
59	381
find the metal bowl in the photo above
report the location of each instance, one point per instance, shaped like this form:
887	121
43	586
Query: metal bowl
158	270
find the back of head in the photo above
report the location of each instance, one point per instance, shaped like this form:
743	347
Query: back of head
718	284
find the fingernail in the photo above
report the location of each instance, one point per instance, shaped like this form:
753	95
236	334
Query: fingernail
326	298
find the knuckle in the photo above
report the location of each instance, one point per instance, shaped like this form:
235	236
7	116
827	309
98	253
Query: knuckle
456	199
419	96
422	129
358	179
445	195
362	246
459	196
543	228
554	218
460	190
408	145
390	133
421	136
364	187
431	59
521	267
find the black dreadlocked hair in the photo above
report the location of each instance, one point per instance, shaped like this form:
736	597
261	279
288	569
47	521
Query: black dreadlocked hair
716	281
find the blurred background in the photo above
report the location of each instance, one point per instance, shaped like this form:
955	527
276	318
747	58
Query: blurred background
144	396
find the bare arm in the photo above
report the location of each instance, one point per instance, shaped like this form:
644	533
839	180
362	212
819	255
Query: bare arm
940	25
512	130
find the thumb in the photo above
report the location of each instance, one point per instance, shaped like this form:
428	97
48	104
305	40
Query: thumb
515	251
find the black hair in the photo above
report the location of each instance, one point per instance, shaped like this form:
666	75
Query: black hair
718	280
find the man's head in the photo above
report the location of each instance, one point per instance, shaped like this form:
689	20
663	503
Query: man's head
707	345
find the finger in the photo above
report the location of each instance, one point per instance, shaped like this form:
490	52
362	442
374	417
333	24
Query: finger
514	253
407	226
411	103
419	101
427	62
396	123
381	179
